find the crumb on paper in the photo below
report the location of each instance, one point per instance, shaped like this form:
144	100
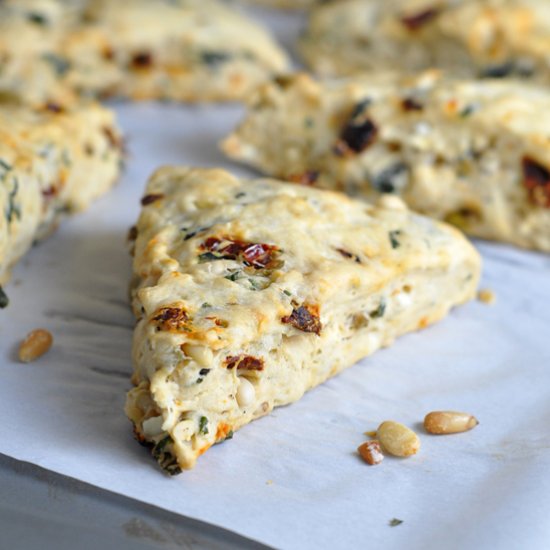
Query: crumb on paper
372	434
269	482
487	296
370	452
395	522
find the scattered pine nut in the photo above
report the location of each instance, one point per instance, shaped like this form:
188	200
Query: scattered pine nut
487	296
397	439
372	434
36	344
449	422
370	452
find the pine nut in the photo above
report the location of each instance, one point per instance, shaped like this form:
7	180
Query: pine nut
201	354
36	344
370	452
391	202
449	422
397	439
152	426
246	394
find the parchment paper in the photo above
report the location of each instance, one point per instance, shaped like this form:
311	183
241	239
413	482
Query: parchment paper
290	480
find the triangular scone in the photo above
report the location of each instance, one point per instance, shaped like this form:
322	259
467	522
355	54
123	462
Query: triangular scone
52	162
469	38
474	153
249	293
188	50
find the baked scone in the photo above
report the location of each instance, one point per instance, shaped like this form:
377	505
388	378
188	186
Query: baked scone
52	162
475	153
249	293
470	38
188	50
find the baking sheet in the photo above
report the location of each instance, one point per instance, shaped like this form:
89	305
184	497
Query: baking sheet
290	480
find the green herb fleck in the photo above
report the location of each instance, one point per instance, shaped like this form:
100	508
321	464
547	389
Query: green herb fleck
213	58
4	300
7	167
37	18
240	195
393	238
203	425
167	461
233	276
308	122
159	447
208	257
13	209
467	111
206	304
229	435
199	380
59	64
256	285
379	311
287	292
395	522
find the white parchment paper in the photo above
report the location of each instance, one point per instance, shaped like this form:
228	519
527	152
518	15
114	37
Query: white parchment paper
291	480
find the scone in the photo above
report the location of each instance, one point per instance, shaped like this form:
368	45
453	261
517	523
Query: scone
474	153
188	50
52	162
470	38
249	293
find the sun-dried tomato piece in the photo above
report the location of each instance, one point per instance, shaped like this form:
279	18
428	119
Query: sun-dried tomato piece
349	255
411	104
142	60
358	133
148	199
309	177
132	233
50	192
536	179
244	362
115	141
418	20
257	255
305	318
171	319
54	107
